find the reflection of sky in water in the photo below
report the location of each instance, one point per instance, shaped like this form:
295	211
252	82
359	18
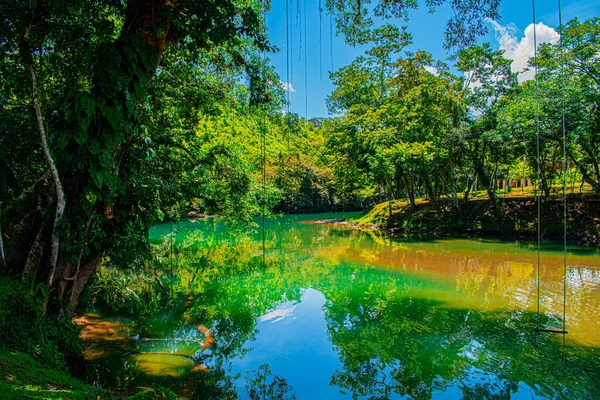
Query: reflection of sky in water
437	318
281	312
296	349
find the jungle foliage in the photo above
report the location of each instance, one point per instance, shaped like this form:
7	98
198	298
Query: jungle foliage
118	114
411	128
106	108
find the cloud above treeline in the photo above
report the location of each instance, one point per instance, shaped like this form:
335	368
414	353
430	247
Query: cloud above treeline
288	87
432	70
520	49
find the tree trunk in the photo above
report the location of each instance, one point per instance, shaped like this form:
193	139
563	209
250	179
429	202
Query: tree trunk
60	194
485	181
454	194
87	269
2	257
410	193
35	255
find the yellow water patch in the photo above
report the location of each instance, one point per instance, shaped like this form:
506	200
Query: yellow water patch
163	364
95	329
489	277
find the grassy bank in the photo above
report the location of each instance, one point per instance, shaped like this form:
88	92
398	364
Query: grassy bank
40	355
511	216
23	376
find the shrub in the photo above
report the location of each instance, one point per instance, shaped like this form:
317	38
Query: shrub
23	327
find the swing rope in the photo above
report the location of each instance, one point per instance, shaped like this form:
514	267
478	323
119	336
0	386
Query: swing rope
562	331
291	47
287	50
264	165
331	39
537	183
565	183
299	26
305	65
320	41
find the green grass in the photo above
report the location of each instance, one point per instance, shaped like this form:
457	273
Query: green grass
24	377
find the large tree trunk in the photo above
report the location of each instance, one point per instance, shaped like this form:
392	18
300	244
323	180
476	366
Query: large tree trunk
83	275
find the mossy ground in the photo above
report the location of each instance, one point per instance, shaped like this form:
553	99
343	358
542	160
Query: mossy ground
24	377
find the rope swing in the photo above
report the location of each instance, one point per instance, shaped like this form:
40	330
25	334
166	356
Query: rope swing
263	131
305	66
331	40
287	50
320	41
291	80
538	329
565	183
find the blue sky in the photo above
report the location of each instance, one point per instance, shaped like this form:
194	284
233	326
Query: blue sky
509	33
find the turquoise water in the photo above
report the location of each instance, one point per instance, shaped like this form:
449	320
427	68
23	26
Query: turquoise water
344	313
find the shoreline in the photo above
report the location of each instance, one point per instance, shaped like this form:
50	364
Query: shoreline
512	219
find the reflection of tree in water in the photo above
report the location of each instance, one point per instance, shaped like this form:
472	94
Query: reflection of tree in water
234	306
259	386
391	337
392	344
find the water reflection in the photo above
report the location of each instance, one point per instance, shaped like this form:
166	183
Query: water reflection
341	313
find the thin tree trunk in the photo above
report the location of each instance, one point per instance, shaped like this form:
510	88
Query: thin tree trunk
454	194
2	258
409	193
160	284
60	194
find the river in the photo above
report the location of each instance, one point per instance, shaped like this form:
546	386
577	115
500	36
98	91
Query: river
344	313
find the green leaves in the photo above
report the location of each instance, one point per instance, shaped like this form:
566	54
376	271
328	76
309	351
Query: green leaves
356	20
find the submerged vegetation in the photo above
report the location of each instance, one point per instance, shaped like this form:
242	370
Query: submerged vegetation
117	116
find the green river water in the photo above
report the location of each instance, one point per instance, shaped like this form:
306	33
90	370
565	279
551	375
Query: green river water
344	313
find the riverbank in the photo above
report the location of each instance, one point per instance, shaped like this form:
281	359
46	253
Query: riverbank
511	217
40	357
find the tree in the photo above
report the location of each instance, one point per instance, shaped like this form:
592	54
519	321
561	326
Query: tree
570	77
488	79
93	69
354	18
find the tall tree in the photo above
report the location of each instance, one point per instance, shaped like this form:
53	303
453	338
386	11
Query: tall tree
80	76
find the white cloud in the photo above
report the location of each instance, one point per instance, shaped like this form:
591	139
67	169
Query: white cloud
288	87
432	70
520	50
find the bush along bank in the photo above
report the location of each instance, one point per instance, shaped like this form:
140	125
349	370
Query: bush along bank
514	217
41	356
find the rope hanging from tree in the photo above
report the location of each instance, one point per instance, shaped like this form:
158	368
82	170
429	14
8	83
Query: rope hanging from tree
263	130
287	50
320	41
564	132
538	329
305	66
291	80
537	181
331	39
